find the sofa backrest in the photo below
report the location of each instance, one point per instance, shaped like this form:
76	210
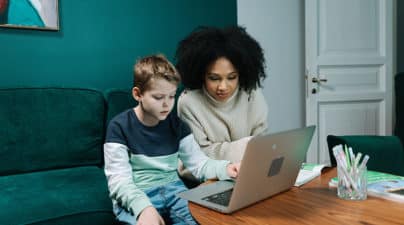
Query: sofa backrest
45	128
118	100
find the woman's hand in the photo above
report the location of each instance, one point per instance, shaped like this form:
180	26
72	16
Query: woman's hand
150	216
232	169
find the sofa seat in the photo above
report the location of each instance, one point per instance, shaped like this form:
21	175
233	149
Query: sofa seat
76	195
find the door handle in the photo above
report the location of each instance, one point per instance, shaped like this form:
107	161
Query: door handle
315	80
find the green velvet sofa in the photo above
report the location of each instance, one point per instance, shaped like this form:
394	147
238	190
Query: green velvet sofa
51	142
386	152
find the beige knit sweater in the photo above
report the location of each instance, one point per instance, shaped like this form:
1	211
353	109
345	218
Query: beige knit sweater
222	129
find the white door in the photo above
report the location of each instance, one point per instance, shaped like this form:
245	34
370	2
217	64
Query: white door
348	69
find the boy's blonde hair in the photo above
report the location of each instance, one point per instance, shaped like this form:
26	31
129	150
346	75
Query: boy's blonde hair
151	67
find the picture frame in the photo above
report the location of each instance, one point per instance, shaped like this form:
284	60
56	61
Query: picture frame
30	14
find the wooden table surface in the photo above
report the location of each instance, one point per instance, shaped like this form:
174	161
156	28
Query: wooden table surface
312	203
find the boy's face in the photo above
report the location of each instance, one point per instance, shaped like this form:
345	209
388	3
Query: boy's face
156	102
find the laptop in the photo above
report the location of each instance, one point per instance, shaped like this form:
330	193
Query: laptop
270	165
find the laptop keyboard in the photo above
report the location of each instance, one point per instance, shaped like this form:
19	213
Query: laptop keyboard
222	198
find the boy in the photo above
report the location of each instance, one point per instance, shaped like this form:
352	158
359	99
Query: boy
143	146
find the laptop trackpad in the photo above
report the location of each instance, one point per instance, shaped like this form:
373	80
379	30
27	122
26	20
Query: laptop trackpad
222	198
203	191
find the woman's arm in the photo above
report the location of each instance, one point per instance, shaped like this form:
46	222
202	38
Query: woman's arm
232	151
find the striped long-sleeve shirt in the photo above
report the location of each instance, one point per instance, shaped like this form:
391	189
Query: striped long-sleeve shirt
138	157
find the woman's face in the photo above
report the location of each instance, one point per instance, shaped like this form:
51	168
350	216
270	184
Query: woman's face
221	79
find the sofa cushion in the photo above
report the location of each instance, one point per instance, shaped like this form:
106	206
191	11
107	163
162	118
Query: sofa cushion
44	128
63	196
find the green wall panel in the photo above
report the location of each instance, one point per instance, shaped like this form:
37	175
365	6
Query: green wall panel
99	40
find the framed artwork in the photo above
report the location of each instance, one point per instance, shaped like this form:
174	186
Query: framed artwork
30	14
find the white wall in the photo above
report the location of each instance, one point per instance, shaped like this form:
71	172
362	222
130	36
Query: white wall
399	35
279	27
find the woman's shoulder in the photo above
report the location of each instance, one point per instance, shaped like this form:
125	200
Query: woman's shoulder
258	94
189	97
253	96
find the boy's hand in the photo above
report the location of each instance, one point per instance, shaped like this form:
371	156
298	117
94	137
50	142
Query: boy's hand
150	216
232	169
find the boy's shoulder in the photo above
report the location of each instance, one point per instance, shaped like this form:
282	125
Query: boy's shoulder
173	118
117	127
121	117
179	127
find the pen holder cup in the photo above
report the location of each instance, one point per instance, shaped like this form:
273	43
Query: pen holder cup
352	183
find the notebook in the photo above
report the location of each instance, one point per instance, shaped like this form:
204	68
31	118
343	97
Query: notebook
269	166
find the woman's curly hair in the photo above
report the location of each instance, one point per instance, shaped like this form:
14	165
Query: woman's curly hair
206	44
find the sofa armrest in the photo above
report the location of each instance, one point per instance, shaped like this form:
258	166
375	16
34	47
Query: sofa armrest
386	152
399	93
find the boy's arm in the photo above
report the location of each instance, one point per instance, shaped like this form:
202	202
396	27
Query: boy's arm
120	182
201	166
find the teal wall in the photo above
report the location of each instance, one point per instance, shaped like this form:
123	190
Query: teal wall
99	40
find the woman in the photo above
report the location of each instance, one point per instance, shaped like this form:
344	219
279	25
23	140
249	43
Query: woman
222	70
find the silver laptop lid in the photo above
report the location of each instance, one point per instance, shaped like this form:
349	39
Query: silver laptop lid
270	165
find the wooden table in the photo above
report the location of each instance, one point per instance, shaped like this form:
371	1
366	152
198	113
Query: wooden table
312	203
